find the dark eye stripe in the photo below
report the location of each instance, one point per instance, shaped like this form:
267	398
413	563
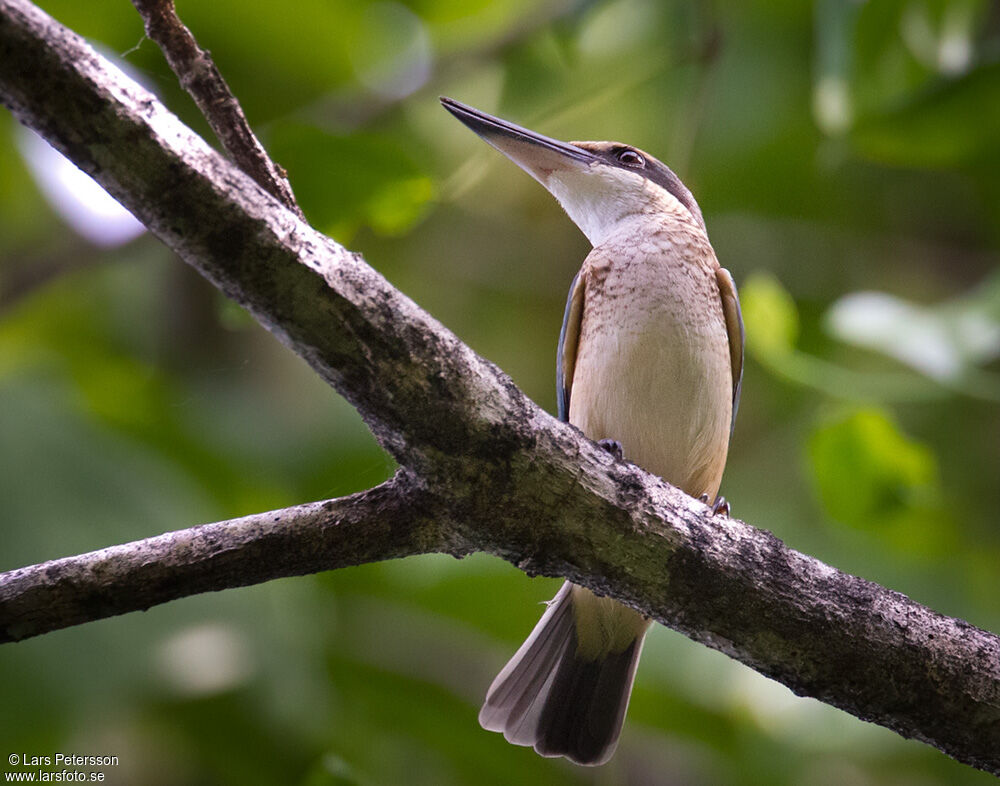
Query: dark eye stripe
653	170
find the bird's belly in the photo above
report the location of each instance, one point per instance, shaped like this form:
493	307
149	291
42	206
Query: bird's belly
659	381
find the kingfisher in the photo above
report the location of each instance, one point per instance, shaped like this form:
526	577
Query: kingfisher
649	364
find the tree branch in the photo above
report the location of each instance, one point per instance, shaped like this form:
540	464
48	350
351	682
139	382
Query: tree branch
391	520
495	472
198	75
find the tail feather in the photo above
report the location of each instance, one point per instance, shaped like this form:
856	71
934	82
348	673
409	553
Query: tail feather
585	708
550	697
521	683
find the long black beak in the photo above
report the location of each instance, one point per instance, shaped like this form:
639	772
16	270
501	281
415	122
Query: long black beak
536	154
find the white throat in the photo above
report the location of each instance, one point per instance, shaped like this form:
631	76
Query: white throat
602	199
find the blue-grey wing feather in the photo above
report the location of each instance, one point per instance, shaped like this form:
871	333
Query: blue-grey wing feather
569	337
737	336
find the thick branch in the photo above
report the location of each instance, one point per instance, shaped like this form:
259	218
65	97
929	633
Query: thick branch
501	475
198	75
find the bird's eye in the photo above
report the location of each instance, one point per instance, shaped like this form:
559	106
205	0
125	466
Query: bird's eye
631	158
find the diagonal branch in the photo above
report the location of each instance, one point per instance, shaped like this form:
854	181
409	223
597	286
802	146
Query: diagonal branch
495	472
199	76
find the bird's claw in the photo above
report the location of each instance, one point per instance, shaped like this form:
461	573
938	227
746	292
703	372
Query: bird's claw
721	505
613	446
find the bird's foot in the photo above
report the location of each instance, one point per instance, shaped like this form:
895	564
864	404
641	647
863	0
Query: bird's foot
614	447
721	505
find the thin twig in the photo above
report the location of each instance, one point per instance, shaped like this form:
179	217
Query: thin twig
201	78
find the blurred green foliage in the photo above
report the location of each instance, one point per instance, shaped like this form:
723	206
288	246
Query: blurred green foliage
893	487
846	158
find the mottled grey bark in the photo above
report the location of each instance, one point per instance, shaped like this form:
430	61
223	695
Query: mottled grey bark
391	520
485	469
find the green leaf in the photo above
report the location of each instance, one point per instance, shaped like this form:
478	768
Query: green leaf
951	123
869	473
942	341
770	316
344	182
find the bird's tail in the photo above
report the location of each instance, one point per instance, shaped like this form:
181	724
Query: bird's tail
553	698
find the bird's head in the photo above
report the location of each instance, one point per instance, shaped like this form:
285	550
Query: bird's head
599	184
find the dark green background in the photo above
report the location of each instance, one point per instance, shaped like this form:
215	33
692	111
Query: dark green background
835	148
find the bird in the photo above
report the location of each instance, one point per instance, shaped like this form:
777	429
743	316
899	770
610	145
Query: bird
649	364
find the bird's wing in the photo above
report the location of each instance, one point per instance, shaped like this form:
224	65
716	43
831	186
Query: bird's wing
569	338
734	327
